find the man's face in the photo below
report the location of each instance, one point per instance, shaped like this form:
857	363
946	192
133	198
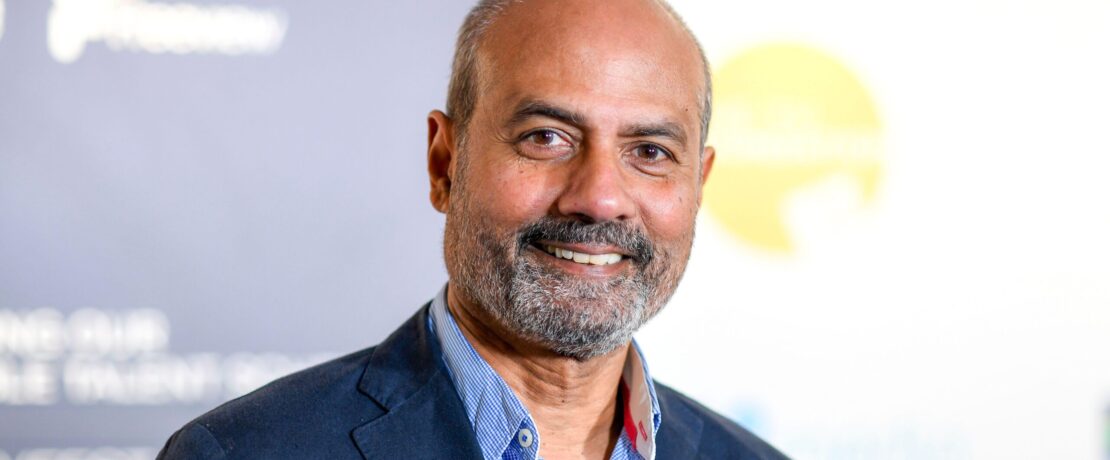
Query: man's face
572	205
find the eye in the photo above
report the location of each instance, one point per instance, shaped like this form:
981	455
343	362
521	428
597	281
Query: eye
544	143
546	138
652	153
653	159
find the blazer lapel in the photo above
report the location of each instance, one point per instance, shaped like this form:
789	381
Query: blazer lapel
679	431
424	417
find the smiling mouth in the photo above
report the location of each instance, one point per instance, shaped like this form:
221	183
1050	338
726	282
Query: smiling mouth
579	257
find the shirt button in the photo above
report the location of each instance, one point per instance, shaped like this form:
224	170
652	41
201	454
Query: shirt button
525	438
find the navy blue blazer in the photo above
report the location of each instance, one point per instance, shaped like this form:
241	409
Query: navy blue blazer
396	400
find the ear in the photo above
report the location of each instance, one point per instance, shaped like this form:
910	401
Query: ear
707	157
441	158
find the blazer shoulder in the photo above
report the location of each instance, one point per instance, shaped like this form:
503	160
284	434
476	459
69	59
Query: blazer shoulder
720	437
309	410
193	441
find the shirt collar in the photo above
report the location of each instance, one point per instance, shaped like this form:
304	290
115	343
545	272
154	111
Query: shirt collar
496	414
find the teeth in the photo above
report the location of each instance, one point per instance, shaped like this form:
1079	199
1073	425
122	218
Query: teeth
592	259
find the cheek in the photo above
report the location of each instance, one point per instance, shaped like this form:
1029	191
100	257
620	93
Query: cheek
511	194
668	212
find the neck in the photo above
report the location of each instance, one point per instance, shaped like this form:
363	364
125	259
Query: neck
573	403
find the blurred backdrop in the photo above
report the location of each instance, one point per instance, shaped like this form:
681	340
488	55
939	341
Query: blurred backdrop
902	252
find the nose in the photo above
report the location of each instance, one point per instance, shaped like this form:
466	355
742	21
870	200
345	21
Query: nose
596	189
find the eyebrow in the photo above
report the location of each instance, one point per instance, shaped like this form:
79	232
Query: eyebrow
665	129
535	108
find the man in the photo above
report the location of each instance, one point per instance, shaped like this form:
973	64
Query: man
570	165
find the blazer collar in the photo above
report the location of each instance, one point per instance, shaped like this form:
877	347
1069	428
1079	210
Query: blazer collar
424	417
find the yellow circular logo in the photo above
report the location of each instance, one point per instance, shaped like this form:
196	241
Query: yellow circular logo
786	117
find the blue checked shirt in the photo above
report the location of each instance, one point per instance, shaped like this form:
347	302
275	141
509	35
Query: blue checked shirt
503	425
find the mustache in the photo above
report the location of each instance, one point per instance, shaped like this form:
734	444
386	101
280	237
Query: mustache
631	240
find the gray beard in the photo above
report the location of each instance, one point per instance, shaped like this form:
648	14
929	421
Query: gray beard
574	317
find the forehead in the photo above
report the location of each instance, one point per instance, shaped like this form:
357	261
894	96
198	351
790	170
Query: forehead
610	58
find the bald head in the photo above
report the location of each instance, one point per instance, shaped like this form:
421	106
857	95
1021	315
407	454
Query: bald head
497	31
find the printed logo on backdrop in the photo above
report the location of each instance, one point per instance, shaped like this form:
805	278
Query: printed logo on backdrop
787	119
97	357
176	28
